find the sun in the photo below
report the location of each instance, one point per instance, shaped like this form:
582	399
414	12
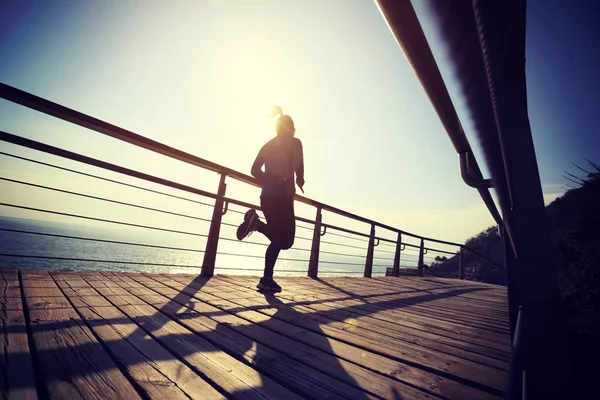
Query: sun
252	85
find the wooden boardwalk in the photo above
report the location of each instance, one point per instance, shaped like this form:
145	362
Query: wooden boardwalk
90	335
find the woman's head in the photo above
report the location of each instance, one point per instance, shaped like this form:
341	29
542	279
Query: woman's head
284	125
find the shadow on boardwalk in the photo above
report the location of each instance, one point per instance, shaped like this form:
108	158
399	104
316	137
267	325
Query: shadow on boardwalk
204	327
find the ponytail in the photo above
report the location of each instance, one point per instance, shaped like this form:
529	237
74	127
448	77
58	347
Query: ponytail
284	124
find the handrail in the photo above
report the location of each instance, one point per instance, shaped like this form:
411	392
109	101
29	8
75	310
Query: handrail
67	114
467	177
406	29
32	144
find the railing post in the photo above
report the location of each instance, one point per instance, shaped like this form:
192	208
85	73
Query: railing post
461	270
370	250
396	268
313	265
210	255
421	253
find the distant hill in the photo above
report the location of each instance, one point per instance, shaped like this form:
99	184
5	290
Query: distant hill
574	221
488	243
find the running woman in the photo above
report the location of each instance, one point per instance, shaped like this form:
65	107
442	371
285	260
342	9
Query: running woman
282	158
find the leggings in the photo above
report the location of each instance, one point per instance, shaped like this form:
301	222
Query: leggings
280	228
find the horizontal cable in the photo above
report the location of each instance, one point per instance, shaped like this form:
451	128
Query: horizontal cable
261	256
98	261
303	238
104	199
440	251
46	148
340	272
255	243
484	257
125	171
103	220
341	254
111	180
351	255
342	244
361	239
64	113
404	255
365	236
384	251
102	240
340	263
258	269
239	203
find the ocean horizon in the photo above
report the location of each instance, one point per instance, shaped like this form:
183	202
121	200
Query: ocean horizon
53	245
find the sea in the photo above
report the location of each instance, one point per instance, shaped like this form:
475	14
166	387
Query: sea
60	245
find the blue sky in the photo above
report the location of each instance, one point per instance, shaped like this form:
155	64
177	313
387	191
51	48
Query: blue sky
200	76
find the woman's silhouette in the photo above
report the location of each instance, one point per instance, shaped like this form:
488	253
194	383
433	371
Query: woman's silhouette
283	158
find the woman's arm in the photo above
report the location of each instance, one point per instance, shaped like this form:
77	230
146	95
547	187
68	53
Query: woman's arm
299	162
256	170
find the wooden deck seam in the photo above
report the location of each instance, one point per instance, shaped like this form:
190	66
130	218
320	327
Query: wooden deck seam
285	384
143	392
331	353
359	313
407	313
376	287
441	313
413	364
408	342
337	338
41	389
416	366
187	380
175	356
72	350
212	341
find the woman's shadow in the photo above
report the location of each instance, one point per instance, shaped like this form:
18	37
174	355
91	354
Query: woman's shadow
312	374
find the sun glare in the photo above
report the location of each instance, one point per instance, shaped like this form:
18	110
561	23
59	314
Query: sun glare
252	84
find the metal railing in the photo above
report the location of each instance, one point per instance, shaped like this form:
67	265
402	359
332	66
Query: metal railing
382	255
485	43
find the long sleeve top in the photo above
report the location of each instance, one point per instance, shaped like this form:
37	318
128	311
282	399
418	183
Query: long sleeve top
282	157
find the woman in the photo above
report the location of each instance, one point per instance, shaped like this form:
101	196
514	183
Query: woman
282	157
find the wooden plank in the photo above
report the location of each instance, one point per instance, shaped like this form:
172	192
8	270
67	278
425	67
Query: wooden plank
367	289
152	367
302	379
442	364
440	305
314	329
482	296
72	363
492	294
389	324
380	310
371	371
478	305
231	375
350	331
16	369
497	310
